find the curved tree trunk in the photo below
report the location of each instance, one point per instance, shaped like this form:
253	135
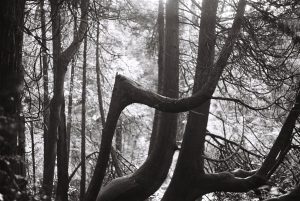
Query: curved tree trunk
146	180
126	92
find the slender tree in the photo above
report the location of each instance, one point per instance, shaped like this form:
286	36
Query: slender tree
33	155
71	91
61	60
160	62
83	121
45	68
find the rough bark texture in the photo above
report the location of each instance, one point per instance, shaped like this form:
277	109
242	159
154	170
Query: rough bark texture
11	78
11	74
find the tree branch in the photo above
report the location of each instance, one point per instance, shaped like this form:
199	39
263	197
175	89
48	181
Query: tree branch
68	53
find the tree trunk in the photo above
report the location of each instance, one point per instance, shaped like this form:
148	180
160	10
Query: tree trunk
62	159
55	104
160	62
145	181
119	136
60	63
33	155
83	112
100	102
45	68
70	98
190	161
11	78
126	92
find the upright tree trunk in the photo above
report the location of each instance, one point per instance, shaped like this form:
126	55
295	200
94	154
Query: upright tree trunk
61	60
190	159
62	158
55	104
160	62
83	111
45	68
33	155
100	101
11	78
70	98
11	71
63	143
190	164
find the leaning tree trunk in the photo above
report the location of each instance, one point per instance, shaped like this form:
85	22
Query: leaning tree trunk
11	78
126	92
145	181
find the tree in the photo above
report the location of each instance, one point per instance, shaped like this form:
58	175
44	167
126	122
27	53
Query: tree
159	102
61	60
83	119
201	182
238	84
149	177
11	78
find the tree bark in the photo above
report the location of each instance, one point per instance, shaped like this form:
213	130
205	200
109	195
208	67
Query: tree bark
62	159
150	176
33	156
100	101
126	92
45	68
70	98
60	63
11	78
160	62
83	119
190	161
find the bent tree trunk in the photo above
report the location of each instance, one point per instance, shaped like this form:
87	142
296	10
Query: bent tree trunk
149	177
127	92
146	180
